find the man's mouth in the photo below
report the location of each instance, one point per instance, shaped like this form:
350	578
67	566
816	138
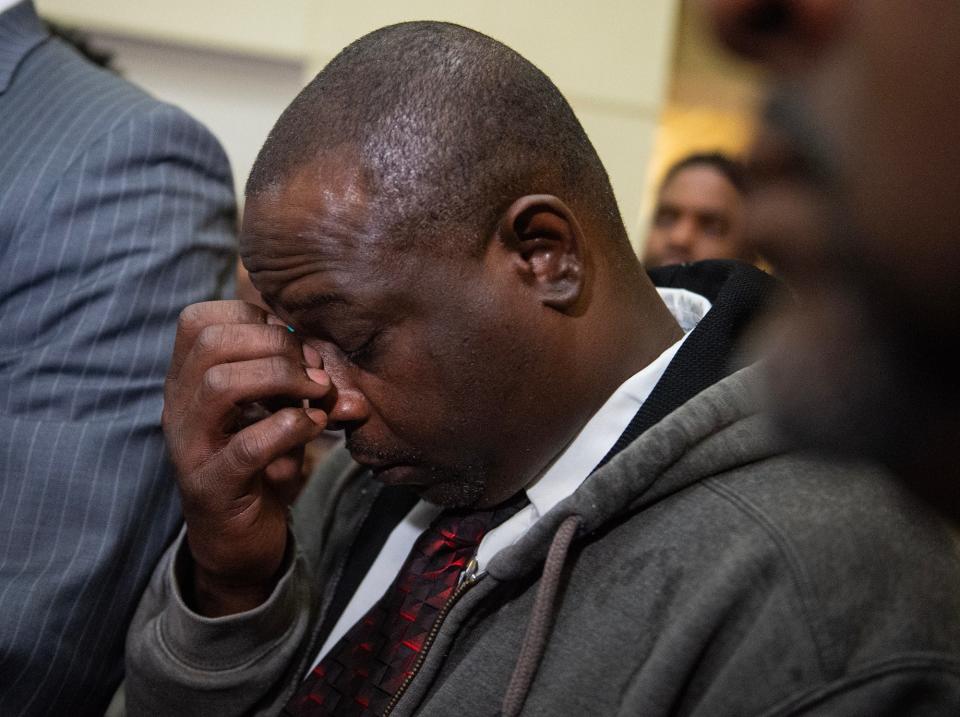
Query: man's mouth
392	473
372	452
375	467
387	466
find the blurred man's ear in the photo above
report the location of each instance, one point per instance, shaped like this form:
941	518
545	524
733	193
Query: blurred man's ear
782	32
547	248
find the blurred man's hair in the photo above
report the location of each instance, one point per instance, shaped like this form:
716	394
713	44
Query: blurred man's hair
726	165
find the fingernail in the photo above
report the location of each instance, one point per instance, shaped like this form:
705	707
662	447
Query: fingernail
271	319
317	416
311	356
318	376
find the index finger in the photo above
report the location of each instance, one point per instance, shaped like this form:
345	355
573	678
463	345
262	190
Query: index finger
194	318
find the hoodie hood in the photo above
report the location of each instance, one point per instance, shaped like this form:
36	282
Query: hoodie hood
719	430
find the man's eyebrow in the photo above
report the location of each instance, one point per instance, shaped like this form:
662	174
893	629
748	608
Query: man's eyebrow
314	301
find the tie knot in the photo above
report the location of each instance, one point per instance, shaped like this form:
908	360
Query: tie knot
463	528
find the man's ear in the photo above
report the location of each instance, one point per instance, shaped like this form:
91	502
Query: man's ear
547	248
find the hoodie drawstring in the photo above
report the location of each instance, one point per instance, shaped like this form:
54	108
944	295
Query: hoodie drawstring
535	638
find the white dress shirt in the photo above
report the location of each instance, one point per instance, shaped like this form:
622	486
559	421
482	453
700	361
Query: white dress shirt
561	478
7	4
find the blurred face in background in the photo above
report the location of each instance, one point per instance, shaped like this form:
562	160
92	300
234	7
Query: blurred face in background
699	215
856	203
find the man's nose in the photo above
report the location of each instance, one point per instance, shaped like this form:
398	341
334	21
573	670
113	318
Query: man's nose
782	33
681	234
350	408
346	405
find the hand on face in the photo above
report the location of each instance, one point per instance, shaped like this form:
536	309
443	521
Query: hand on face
236	477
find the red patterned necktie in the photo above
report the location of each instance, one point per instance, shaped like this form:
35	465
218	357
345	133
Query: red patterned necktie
362	672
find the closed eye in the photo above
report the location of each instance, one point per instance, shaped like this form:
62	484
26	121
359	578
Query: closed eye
362	354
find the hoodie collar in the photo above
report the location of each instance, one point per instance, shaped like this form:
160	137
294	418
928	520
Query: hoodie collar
20	31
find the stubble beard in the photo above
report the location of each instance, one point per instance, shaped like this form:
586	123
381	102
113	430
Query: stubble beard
462	486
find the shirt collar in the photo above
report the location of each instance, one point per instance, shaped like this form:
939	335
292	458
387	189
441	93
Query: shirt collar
583	454
577	461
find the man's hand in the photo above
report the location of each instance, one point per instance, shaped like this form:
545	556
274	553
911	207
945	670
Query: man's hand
237	480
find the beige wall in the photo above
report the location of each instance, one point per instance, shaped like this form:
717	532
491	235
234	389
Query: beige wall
611	58
269	28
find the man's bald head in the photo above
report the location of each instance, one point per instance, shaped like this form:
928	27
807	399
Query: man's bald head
450	127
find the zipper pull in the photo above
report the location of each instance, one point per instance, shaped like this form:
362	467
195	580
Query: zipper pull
469	573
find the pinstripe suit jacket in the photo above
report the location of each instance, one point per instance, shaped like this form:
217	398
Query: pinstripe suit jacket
116	210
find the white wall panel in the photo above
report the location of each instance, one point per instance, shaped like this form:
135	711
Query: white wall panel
274	28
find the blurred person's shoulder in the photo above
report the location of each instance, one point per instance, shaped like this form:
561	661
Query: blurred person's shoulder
62	104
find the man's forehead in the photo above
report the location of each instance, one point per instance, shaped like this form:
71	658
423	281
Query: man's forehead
694	187
322	207
318	282
319	191
700	175
313	229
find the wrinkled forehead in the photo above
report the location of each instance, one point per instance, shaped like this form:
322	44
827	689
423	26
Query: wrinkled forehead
313	197
320	219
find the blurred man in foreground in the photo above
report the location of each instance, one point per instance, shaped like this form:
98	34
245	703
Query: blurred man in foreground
559	496
699	213
857	204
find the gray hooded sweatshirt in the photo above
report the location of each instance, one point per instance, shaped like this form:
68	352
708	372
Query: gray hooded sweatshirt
703	570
